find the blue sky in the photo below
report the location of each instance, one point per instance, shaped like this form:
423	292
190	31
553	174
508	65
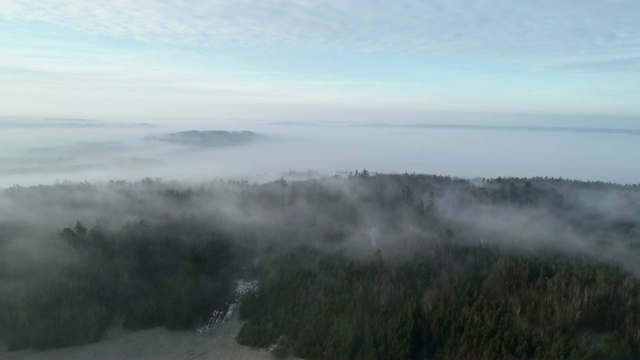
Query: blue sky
318	60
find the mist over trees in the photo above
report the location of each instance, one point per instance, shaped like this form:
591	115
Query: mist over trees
363	266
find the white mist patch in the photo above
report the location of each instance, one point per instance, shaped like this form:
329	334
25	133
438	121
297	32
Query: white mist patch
373	234
98	151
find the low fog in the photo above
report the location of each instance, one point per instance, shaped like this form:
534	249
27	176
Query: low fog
59	171
294	180
46	151
399	214
101	214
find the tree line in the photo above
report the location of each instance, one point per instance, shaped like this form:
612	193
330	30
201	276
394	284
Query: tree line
371	266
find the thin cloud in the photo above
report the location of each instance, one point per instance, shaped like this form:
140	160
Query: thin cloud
78	58
629	64
485	28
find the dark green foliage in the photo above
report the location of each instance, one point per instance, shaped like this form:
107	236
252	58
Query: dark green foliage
56	317
500	306
144	312
143	273
173	289
328	306
370	267
533	307
73	304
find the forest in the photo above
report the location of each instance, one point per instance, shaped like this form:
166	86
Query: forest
360	266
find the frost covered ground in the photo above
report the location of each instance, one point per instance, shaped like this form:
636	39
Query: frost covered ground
157	343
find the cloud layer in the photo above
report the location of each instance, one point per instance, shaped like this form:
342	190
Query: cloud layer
486	28
288	60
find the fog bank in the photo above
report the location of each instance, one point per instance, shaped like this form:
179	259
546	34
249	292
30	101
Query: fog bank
46	151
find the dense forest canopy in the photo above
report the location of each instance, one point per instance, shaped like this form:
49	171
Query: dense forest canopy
362	266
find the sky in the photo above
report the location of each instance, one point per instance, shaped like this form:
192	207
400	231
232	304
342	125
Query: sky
318	60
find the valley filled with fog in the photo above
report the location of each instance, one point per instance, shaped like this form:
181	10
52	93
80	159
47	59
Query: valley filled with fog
385	235
241	179
45	151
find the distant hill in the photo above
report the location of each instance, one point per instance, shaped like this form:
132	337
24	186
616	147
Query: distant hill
215	138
